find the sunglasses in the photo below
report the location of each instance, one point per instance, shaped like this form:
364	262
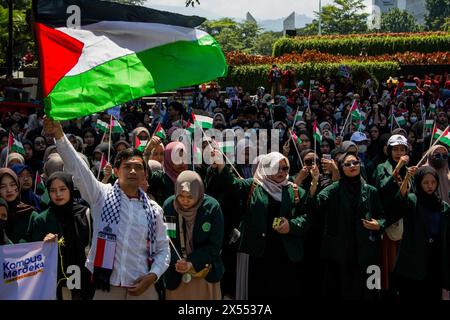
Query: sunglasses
284	169
439	156
353	163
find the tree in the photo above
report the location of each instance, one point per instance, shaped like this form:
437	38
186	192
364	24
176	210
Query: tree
264	42
438	11
22	33
342	17
232	35
397	20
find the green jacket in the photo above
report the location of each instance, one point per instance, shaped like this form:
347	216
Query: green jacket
17	230
161	186
385	182
336	204
207	241
413	252
254	224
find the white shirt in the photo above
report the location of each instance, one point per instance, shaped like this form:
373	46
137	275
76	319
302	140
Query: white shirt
131	256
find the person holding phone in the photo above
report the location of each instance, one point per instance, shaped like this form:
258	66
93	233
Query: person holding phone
276	250
353	224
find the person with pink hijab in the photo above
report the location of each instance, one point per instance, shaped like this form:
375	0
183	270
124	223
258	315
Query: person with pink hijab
162	183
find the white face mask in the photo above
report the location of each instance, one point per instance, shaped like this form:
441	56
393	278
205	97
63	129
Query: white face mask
96	164
362	148
413	119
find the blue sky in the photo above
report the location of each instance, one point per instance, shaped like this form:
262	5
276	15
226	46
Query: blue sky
260	9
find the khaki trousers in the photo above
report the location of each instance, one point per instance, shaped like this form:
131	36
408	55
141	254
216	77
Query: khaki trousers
119	293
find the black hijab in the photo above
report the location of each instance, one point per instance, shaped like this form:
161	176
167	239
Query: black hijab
352	184
3	238
429	201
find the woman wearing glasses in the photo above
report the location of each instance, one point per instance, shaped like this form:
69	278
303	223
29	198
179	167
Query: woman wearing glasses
353	223
272	227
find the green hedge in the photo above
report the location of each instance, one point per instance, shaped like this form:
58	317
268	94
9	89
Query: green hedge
251	77
373	45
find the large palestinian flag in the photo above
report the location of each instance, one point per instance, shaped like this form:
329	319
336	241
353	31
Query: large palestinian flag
119	53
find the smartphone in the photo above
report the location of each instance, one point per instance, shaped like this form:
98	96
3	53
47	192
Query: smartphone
327	156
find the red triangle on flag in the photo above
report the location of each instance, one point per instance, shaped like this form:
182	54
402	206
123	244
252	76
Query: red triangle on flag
10	140
58	53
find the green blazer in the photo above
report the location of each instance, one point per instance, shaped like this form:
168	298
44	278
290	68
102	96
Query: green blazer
161	186
207	240
254	227
335	203
413	252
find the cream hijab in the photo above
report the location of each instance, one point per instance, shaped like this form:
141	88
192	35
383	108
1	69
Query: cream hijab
268	166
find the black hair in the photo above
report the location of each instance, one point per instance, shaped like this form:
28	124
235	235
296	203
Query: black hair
127	154
176	106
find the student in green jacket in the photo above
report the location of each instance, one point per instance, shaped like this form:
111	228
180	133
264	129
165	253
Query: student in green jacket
195	225
68	220
272	228
353	226
423	263
3	219
161	183
19	213
387	177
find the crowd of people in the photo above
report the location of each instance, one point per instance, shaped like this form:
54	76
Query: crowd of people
358	181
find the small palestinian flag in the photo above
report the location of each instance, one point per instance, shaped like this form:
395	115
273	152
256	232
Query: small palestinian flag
409	86
114	53
298	116
116	127
159	132
140	144
429	124
41	190
296	138
203	121
401	121
316	132
102	125
15	145
355	111
445	136
227	146
171	229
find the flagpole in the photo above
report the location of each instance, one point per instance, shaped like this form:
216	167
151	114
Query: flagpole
295	117
7	150
346	120
100	167
110	133
35	181
296	149
428	151
228	160
432	133
315	146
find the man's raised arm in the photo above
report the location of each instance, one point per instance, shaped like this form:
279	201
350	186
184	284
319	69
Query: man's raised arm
83	178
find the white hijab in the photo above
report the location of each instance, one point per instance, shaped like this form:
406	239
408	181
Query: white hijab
268	166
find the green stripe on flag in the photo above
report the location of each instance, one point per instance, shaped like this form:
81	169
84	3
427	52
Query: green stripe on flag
171	229
158	69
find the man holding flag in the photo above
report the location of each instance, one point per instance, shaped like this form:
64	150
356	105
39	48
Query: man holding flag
124	263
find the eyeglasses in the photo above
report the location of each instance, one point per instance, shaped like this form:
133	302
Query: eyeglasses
283	169
439	156
353	163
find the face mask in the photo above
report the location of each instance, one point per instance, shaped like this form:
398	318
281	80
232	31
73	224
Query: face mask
281	133
438	163
362	148
413	119
96	164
